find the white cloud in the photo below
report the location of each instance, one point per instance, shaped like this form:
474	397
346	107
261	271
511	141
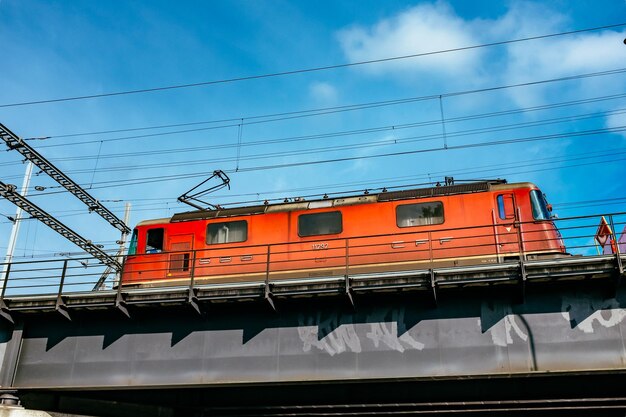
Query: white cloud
435	26
617	120
423	28
322	91
554	57
364	163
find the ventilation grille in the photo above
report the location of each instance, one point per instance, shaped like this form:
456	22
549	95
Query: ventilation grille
473	187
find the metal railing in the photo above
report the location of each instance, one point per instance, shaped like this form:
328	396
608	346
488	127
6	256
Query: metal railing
421	248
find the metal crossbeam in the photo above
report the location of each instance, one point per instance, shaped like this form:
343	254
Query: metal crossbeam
9	192
15	143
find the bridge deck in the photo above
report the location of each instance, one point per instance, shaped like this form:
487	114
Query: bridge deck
574	268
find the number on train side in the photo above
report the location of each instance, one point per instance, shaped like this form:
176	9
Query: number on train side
319	246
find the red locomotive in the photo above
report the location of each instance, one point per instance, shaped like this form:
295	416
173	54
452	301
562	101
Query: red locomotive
464	224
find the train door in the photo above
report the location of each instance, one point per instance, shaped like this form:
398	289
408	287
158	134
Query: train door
180	255
505	225
154	264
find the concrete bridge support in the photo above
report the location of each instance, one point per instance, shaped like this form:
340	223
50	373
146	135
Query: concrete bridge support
563	342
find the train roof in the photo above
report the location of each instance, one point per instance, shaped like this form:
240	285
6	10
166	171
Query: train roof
296	205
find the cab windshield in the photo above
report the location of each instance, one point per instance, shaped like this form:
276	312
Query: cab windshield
539	205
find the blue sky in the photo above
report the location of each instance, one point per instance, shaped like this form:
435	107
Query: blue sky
58	49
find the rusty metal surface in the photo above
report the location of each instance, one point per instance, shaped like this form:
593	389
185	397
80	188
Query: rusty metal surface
322	339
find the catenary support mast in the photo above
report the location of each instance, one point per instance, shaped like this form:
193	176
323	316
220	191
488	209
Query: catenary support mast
15	143
16	223
10	193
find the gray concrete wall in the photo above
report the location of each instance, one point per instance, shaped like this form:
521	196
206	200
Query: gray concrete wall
322	339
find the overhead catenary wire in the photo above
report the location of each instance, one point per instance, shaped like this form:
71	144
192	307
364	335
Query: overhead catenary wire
152	179
369	184
332	110
409	139
375	183
199	174
379	183
428	150
372	187
10	218
348	133
527	109
594	205
425	178
46	253
586	202
147	180
310	70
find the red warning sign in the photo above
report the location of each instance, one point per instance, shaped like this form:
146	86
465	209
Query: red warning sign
604	233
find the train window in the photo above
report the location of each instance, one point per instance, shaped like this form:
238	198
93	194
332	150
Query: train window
539	205
506	206
132	248
227	232
154	240
328	223
420	214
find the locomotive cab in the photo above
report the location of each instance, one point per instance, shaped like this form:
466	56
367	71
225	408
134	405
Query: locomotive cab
529	225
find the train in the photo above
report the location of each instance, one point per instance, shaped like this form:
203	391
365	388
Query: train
474	223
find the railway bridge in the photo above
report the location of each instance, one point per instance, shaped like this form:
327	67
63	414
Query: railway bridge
519	337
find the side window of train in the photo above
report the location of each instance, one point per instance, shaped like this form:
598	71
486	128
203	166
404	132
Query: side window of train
506	206
227	232
421	214
132	248
154	240
328	223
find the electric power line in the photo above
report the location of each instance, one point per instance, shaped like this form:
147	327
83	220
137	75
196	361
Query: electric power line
572	203
152	179
332	110
410	139
428	150
467	171
325	136
11	219
309	70
370	185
